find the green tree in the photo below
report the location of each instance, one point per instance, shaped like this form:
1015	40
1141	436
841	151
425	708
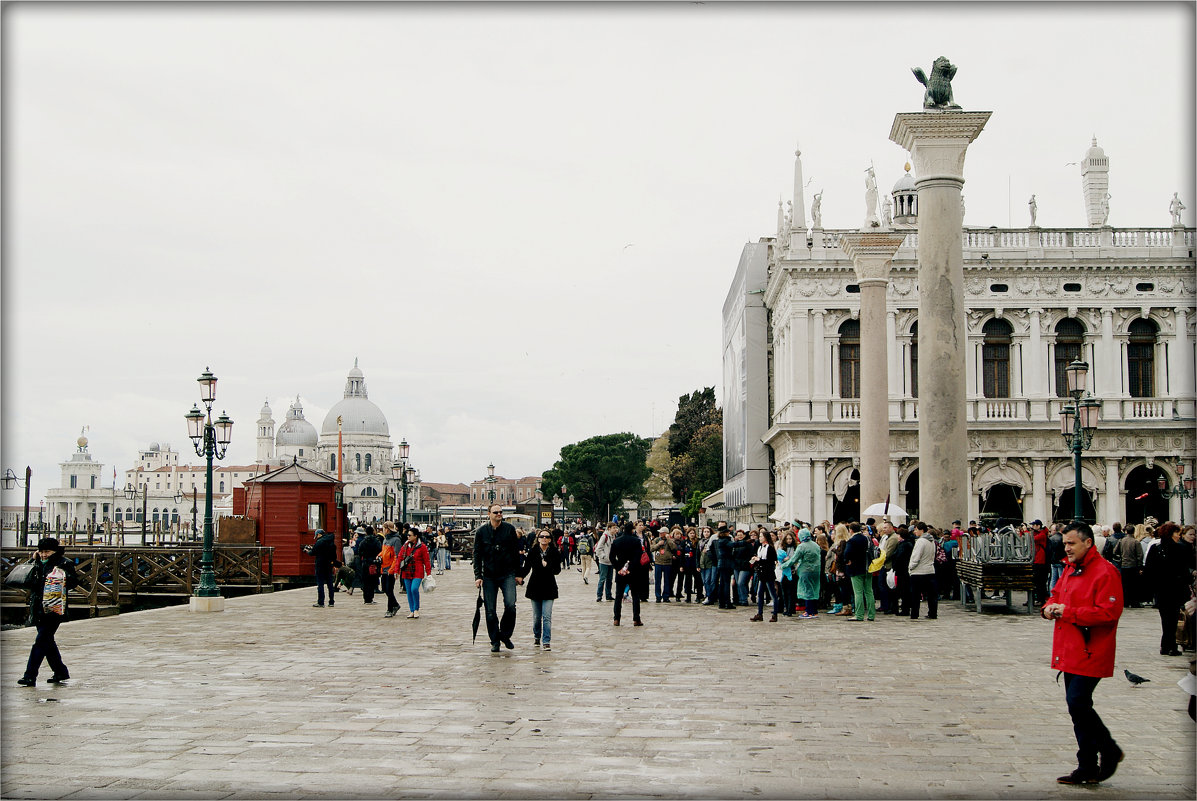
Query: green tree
599	473
700	468
694	411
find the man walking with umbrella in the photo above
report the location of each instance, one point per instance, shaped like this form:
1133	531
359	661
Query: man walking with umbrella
498	557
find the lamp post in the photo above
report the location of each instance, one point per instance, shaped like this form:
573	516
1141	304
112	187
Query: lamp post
10	481
388	502
1183	488
564	505
404	474
539	495
194	512
131	495
1078	421
211	440
179	496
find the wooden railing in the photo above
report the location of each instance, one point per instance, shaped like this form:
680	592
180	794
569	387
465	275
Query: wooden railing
115	576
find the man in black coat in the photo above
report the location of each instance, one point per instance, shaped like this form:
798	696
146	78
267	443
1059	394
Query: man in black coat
51	578
498	560
369	551
725	562
324	550
626	554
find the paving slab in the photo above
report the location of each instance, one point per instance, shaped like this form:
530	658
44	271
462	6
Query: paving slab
272	698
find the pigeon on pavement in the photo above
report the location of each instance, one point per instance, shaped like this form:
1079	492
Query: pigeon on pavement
1134	678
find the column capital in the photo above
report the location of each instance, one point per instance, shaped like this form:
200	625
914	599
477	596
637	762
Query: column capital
871	252
937	140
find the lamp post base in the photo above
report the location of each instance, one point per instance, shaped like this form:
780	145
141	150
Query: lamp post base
206	604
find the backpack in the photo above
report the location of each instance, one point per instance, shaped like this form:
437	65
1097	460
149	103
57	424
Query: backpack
941	556
584	545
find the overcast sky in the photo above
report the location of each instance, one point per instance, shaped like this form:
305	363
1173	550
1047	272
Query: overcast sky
522	220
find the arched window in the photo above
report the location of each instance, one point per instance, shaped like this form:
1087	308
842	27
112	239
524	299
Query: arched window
995	359
93	482
332	462
369	492
850	359
1140	358
914	359
1070	338
368	462
222	486
358	461
155	515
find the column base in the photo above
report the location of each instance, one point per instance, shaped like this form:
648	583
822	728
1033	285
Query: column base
213	604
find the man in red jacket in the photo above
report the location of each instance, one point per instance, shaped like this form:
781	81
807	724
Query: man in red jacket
1085	605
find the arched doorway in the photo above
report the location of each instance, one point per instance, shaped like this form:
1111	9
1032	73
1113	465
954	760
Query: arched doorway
912	495
1064	507
1143	497
847	509
1003	505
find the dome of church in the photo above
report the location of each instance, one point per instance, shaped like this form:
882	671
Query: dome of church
1094	151
154	448
296	430
358	413
265	409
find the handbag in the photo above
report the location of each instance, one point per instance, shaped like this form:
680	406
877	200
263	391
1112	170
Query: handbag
428	584
877	564
18	575
891	580
644	560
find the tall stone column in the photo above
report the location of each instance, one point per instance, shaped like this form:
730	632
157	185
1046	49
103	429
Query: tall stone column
1039	509
1113	491
871	254
937	141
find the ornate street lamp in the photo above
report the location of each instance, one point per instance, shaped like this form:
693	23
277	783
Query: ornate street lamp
11	480
404	474
539	496
131	494
211	440
1183	488
1078	421
490	483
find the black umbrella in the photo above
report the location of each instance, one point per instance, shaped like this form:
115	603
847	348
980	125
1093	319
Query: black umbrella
477	614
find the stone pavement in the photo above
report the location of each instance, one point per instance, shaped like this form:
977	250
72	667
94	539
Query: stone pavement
273	698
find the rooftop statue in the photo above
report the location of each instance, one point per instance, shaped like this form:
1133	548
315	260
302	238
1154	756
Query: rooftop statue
939	87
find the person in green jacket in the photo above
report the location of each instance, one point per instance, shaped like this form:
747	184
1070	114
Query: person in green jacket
810	559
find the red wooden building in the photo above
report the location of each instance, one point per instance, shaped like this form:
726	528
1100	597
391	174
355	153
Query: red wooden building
288	505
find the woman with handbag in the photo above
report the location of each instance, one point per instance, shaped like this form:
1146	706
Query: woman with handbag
51	578
629	563
412	564
764	565
541	568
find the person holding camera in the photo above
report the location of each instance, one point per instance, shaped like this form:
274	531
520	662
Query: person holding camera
369	551
324	550
412	563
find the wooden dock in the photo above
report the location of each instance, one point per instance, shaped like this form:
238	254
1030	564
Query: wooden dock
112	578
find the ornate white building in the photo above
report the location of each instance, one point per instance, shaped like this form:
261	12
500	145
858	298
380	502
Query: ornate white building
1122	299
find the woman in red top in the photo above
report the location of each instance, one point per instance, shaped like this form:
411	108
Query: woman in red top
412	564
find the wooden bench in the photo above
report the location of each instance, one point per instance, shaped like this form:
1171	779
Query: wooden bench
983	577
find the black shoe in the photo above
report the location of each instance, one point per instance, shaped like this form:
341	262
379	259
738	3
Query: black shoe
330	603
508	644
665	601
56	679
599	600
1079	776
731	606
658	600
494	648
320	606
24	682
1109	762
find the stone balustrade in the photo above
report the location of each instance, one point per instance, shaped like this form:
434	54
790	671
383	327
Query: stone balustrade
1042	238
982	410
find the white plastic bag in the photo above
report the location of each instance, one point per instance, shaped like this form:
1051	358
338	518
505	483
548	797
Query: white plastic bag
428	584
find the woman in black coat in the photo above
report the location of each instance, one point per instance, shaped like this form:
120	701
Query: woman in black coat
1168	570
51	578
629	572
541	567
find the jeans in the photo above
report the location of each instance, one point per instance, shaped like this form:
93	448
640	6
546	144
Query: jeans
742	579
924	586
862	593
768	588
324	577
1057	571
604	581
1092	736
388	587
709	574
45	648
496	628
724	580
789	595
622	583
542	620
412	586
662	580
